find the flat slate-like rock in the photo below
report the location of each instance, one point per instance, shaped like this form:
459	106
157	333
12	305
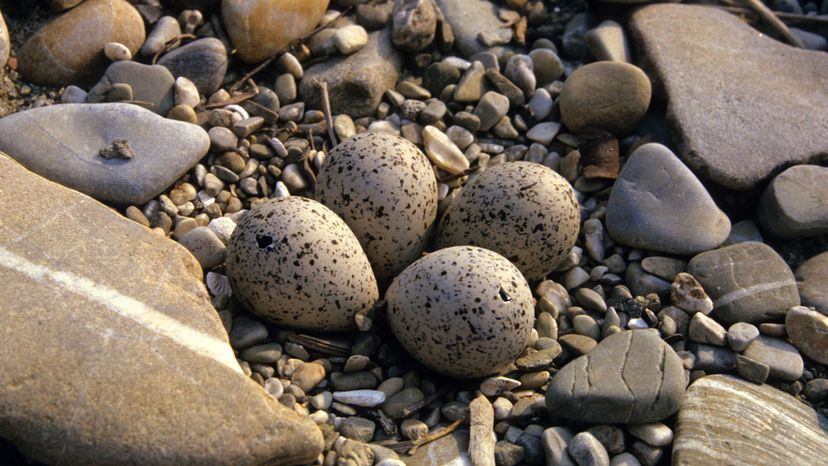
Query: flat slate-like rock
794	203
726	420
630	377
748	282
812	277
62	143
112	352
356	82
658	204
727	88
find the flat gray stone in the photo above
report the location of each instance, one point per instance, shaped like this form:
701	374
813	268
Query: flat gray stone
794	203
630	377
748	282
725	420
112	348
658	204
468	19
204	62
152	85
62	142
812	277
356	82
725	85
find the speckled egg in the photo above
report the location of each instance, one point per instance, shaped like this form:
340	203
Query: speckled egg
294	262
462	311
522	210
384	188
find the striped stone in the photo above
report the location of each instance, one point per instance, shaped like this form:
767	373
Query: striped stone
110	351
726	420
748	282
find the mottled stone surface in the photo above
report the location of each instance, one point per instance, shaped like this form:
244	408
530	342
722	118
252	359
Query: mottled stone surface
794	203
449	450
808	330
469	18
812	278
69	50
111	351
748	282
658	204
356	82
728	94
726	420
630	377
62	143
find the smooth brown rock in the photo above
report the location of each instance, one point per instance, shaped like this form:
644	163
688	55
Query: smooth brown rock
113	354
727	91
606	95
808	331
726	420
812	278
69	50
261	28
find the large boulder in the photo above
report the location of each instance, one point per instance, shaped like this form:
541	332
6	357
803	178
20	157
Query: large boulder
69	50
111	351
64	143
727	420
728	92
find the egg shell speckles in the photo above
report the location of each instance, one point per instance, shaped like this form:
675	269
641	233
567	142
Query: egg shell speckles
385	189
462	311
522	210
295	263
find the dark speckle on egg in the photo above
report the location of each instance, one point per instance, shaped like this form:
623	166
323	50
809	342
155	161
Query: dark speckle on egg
462	311
522	210
294	262
384	188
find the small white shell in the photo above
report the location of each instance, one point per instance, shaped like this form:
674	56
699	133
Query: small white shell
219	285
238	109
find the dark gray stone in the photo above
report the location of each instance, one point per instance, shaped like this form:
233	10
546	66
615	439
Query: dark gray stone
812	276
357	428
748	282
356	82
152	85
725	420
713	359
630	377
793	204
724	84
204	62
112	348
659	205
62	142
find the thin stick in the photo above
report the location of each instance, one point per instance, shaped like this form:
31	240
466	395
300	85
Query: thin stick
413	445
422	403
766	14
326	110
788	17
